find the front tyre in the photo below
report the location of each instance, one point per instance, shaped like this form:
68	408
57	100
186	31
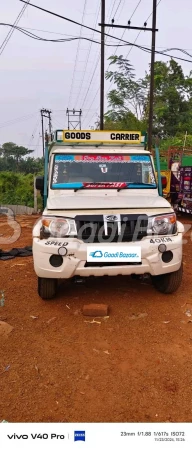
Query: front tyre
169	282
47	288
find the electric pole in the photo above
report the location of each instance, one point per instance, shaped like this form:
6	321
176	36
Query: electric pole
74	118
42	132
129	27
47	114
50	122
102	93
151	94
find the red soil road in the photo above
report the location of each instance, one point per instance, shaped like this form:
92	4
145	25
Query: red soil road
134	366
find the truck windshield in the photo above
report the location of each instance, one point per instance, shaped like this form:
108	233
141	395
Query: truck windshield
102	171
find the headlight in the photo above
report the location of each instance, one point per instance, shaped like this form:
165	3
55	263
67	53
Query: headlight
57	227
165	224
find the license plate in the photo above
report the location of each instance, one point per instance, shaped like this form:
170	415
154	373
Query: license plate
110	253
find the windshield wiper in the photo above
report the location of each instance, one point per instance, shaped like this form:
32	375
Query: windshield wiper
78	188
135	183
124	187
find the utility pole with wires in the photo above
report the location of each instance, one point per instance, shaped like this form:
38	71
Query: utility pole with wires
47	114
102	93
151	94
129	27
74	118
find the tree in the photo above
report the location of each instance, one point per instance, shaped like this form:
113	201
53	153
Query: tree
17	170
128	93
31	165
121	120
130	99
17	189
14	153
172	99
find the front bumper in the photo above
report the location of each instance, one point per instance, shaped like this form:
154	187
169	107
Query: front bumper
74	263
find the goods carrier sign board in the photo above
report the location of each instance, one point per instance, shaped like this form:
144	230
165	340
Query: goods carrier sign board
97	137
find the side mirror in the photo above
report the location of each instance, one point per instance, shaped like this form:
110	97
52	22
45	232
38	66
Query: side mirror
39	183
164	182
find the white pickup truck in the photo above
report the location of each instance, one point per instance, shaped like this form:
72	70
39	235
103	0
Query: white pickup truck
103	214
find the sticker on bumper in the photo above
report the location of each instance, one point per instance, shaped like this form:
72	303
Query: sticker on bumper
56	243
113	254
160	240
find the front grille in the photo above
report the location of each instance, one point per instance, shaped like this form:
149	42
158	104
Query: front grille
91	229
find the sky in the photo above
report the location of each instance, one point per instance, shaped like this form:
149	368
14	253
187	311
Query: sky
57	76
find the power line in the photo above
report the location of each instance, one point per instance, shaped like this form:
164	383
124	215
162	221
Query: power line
92	117
165	54
112	8
77	54
97	31
33	133
57	123
87	59
134	43
117	8
115	50
140	32
15	121
110	15
34	36
123	32
37	145
73	21
126	43
92	102
130	20
106	34
135	9
123	35
8	37
48	31
149	51
93	74
99	53
69	35
97	61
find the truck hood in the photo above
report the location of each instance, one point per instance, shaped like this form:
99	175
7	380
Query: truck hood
144	199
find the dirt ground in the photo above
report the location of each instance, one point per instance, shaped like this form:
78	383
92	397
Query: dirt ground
58	366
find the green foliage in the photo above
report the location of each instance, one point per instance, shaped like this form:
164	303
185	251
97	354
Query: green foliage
32	165
123	121
17	171
15	158
128	93
12	153
16	189
176	141
172	98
